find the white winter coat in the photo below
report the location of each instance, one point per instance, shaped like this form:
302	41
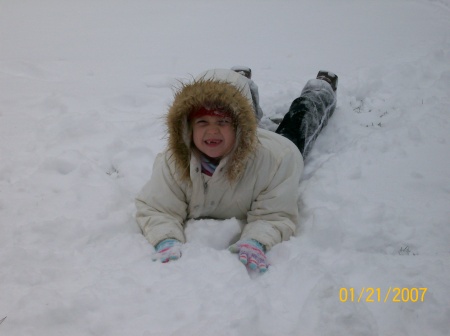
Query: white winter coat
256	183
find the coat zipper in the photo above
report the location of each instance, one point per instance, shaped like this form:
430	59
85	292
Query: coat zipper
205	185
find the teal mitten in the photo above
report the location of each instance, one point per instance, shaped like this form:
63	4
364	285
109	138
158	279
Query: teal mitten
167	250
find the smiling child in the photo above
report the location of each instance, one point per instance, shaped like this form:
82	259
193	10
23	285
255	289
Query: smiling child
219	164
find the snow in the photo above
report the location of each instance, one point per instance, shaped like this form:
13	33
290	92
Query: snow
83	88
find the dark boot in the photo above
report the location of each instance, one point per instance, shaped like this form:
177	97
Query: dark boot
328	77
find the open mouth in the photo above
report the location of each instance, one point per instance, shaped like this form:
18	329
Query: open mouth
213	142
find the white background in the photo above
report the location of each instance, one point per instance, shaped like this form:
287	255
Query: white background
84	86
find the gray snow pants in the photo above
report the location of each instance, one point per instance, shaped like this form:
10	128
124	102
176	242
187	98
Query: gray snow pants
308	115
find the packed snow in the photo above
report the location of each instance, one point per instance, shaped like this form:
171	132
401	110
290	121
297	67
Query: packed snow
84	86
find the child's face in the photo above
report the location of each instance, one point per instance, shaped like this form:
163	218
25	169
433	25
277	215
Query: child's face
213	135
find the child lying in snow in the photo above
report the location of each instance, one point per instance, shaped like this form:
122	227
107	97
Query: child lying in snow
220	165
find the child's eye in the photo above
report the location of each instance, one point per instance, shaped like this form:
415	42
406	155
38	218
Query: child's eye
224	121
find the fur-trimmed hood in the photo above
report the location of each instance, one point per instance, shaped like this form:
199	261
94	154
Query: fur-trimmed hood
217	88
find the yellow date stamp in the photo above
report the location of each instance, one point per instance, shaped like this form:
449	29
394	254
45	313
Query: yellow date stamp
376	294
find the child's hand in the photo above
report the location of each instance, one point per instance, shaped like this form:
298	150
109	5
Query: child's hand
251	254
167	250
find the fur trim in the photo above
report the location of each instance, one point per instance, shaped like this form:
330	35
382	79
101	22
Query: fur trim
211	93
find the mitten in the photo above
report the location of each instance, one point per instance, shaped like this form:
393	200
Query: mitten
167	250
251	254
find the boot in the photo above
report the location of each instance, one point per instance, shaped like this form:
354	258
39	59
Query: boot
243	70
328	77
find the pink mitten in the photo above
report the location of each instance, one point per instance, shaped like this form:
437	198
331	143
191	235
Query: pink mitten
251	253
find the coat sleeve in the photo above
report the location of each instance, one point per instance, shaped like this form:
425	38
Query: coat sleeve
161	205
274	213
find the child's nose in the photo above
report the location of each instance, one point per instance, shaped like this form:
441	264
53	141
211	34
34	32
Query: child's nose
213	129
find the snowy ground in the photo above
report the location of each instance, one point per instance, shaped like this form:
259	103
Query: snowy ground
83	86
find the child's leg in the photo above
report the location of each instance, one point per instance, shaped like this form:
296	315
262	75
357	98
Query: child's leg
308	114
